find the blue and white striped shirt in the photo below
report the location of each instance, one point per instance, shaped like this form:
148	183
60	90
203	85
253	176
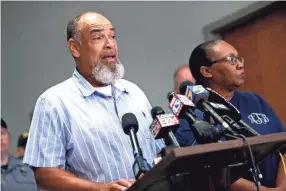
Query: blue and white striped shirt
77	127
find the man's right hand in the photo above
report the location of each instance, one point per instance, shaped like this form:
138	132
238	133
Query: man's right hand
118	185
57	180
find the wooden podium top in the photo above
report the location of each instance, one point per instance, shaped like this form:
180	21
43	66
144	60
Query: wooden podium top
218	155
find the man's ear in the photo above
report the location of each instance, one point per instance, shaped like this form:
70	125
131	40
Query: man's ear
74	47
206	71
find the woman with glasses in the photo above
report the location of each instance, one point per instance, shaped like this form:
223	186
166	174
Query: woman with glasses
217	65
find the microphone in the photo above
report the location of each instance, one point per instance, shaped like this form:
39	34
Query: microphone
220	109
181	105
216	97
199	95
203	132
192	92
233	118
241	127
130	127
162	125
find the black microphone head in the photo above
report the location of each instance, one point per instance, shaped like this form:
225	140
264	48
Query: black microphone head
215	97
170	96
183	86
157	111
129	121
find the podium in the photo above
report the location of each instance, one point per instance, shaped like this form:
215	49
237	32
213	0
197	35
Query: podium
200	160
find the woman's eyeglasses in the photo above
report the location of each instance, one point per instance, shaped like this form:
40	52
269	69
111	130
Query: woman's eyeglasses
230	59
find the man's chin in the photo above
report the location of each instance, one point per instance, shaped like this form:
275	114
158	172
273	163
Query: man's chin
104	81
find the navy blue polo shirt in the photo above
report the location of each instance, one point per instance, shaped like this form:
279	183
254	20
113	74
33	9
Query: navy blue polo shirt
259	115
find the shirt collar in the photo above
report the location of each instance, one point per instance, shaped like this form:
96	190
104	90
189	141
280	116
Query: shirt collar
12	162
87	89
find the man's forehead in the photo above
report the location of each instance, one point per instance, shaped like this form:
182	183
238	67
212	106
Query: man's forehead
95	20
183	71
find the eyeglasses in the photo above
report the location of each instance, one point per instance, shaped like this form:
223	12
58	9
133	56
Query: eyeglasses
230	59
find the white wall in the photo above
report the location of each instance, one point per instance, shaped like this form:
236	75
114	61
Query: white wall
154	38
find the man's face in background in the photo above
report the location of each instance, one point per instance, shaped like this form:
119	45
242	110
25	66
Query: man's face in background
182	75
5	140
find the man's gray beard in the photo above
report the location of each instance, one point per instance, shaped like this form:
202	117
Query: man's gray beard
105	74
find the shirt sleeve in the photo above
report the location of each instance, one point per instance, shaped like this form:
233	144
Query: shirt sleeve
46	141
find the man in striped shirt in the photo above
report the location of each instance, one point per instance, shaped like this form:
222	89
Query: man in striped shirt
76	141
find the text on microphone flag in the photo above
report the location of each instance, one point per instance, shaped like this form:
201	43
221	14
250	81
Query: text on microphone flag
198	89
166	120
155	128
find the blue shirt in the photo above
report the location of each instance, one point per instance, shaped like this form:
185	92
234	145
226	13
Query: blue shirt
78	128
17	177
259	115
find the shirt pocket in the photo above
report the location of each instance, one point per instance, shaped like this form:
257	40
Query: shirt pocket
24	177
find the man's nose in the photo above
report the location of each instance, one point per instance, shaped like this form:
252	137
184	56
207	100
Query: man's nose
108	43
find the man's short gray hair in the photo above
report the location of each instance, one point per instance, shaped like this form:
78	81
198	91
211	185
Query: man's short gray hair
73	30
